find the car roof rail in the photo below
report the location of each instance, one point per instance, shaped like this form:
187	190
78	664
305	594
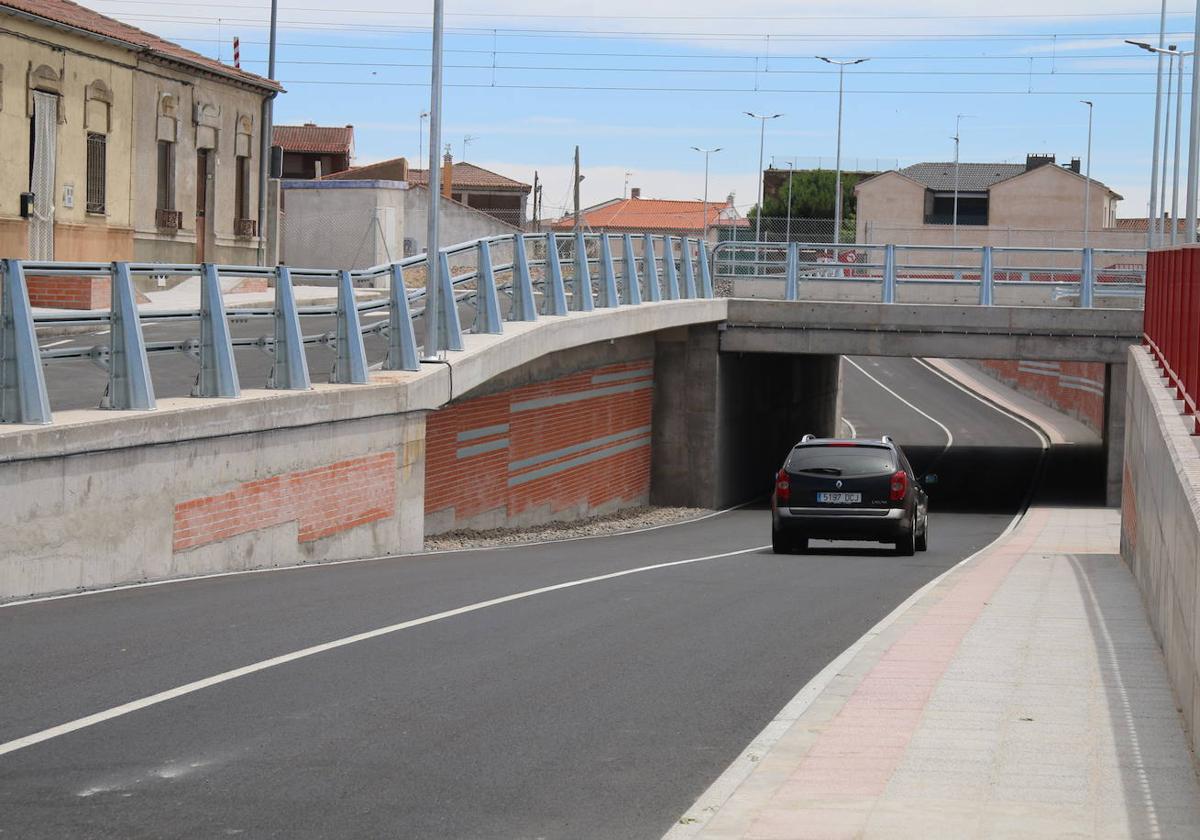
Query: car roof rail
807	438
887	439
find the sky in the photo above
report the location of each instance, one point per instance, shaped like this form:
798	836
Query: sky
637	84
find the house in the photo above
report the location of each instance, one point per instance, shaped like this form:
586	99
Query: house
116	144
478	188
654	215
1037	204
311	150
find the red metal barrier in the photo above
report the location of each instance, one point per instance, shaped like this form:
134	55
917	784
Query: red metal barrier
1172	322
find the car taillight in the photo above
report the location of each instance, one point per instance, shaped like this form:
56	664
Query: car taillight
899	485
783	488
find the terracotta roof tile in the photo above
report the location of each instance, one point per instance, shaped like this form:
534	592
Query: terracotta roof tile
469	175
313	138
650	214
78	17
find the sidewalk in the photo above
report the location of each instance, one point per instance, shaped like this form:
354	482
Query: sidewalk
1023	695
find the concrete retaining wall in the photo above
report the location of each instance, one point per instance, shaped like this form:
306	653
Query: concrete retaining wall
1074	388
1160	525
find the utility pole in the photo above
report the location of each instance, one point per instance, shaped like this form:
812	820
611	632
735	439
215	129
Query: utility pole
706	153
432	322
536	188
791	175
1194	135
954	222
421	139
578	178
268	121
1162	195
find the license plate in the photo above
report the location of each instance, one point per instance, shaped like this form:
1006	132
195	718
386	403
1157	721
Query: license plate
839	498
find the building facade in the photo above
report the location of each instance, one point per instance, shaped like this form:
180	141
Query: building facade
116	144
1035	204
655	215
311	150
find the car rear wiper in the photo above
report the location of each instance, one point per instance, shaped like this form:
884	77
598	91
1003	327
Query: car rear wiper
823	470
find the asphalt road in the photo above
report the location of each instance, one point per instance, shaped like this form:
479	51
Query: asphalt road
599	710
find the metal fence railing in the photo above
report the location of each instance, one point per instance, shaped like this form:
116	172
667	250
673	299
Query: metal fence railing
494	279
1172	315
805	270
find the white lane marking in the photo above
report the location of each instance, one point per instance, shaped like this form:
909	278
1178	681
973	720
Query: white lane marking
57	343
930	418
301	566
851	427
313	650
1010	413
710	802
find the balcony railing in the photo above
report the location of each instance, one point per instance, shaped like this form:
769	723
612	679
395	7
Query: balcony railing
245	227
168	219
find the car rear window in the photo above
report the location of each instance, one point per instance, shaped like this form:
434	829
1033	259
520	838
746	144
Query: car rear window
841	460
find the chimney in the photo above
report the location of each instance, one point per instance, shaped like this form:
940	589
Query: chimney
1034	161
635	192
447	173
729	200
1075	166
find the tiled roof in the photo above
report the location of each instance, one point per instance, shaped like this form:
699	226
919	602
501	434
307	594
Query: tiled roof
469	175
75	16
650	214
972	177
313	138
1141	223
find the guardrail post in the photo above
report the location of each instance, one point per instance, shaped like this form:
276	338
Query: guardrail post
129	385
689	270
289	370
650	264
554	297
450	333
350	356
608	276
522	308
581	284
791	289
1087	280
889	273
986	275
487	302
669	272
632	292
23	397
402	338
706	283
218	373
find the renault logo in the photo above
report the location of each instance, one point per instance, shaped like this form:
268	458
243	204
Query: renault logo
838	483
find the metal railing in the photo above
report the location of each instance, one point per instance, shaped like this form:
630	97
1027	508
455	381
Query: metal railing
1172	318
546	275
1067	273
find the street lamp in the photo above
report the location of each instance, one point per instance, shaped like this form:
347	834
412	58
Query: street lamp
706	153
791	175
762	118
421	139
837	190
1087	196
1158	198
1152	220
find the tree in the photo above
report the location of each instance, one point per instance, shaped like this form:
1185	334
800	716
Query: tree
812	194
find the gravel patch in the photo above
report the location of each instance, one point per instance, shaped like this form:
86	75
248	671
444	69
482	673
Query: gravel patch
631	519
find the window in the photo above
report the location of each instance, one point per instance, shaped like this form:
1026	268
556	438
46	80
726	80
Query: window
166	175
841	460
241	197
97	174
972	208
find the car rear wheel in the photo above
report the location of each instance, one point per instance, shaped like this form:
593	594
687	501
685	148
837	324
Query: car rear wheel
800	544
906	546
923	538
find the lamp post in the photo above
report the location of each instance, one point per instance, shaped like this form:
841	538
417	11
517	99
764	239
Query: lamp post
1158	198
264	151
706	153
954	220
1152	221
421	139
1194	137
791	173
837	189
762	118
432	322
1087	196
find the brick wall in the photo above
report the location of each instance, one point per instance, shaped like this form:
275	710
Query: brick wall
1074	388
572	446
69	292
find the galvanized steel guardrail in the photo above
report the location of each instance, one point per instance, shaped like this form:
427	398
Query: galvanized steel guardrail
1072	271
651	268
